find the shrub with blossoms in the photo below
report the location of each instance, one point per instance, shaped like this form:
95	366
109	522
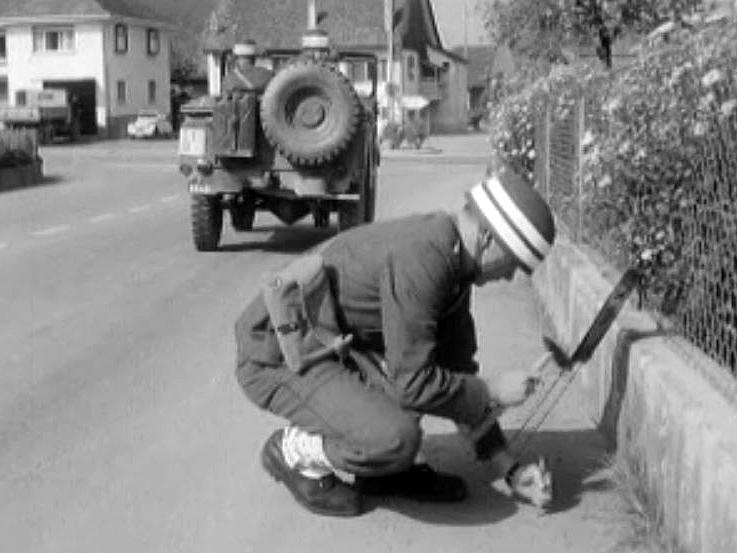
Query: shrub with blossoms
514	122
17	147
659	173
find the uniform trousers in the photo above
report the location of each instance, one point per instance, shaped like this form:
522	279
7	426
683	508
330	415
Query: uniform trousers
347	401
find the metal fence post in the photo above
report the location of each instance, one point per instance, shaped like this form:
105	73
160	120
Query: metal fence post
580	130
546	141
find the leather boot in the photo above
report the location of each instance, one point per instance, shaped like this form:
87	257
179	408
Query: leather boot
324	496
420	482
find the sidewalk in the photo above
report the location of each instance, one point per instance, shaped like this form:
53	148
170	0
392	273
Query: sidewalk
472	146
587	515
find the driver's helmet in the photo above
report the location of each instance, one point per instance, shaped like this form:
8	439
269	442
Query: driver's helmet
316	42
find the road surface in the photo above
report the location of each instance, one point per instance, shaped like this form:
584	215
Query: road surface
122	428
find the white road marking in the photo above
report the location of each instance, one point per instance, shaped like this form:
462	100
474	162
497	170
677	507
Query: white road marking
51	230
102	217
139	208
167	199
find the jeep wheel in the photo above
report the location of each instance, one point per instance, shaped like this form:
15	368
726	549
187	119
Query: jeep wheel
321	216
354	213
207	222
242	215
371	177
370	192
351	214
309	112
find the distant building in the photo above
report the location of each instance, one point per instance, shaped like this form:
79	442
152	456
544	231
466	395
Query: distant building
113	57
427	77
487	64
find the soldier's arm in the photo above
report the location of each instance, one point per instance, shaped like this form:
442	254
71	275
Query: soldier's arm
415	287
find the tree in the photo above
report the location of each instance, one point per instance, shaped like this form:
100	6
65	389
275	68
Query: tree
541	29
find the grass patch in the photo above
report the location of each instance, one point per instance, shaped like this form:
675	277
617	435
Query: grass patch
644	515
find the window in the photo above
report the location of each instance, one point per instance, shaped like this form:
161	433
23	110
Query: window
53	39
3	90
122	90
383	74
153	44
151	92
3	53
20	98
121	38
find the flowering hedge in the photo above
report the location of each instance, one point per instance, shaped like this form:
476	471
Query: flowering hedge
659	171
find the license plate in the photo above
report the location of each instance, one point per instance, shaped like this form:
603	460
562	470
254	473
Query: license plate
192	142
198	188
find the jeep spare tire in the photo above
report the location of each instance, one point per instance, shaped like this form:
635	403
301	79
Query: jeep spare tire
309	112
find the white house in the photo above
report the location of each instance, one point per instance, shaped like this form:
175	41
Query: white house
114	59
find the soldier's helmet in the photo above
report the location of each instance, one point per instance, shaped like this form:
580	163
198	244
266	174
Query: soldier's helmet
517	216
246	48
315	39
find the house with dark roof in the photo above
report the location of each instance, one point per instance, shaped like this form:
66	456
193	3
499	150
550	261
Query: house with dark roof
487	64
428	78
112	56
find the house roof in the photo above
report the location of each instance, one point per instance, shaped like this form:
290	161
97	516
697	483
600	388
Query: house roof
480	60
22	9
355	23
485	61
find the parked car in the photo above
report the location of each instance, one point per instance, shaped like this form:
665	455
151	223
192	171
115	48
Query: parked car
149	124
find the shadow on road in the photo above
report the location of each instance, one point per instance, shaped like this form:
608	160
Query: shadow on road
281	240
46	180
577	459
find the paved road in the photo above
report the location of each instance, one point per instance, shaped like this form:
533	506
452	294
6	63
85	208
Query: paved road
121	425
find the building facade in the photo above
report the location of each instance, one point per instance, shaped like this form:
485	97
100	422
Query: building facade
425	79
111	64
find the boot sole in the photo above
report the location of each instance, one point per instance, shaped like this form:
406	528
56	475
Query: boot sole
277	472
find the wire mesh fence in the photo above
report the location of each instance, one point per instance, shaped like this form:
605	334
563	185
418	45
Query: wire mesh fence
670	207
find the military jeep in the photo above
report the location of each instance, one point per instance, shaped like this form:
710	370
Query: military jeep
305	145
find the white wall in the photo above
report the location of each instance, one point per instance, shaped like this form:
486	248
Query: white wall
450	112
28	69
136	68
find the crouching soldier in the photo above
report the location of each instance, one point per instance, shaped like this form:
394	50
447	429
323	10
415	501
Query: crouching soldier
354	344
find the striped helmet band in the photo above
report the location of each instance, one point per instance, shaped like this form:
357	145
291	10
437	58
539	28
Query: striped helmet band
517	216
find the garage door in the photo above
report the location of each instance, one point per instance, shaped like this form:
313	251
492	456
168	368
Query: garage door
84	91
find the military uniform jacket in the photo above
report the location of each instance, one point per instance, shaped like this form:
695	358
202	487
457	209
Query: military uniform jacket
400	289
252	78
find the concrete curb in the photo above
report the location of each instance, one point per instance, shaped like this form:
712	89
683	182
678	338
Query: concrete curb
17	177
650	397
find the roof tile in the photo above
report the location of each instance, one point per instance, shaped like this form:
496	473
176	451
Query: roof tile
34	8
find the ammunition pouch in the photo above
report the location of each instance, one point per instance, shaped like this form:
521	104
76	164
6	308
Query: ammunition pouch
303	313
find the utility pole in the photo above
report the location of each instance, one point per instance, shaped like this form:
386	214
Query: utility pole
389	28
465	29
311	15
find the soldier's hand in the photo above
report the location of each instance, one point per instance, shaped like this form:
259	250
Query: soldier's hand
512	388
